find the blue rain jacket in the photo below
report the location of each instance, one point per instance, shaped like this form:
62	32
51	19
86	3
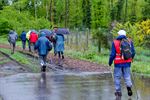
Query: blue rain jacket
43	45
23	36
60	43
113	53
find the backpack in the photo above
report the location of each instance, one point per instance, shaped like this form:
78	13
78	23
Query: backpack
125	47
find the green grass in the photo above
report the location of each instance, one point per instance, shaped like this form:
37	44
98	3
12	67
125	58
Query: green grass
4	61
140	64
22	59
3	40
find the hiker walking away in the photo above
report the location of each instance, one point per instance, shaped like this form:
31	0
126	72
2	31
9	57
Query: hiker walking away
33	38
60	45
122	53
43	45
23	39
12	37
27	38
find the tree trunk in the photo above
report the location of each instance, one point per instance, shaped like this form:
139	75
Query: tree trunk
99	45
50	11
126	11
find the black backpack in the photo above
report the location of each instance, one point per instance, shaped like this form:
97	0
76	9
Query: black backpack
125	47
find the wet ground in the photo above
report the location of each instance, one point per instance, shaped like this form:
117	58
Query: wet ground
16	83
9	67
67	86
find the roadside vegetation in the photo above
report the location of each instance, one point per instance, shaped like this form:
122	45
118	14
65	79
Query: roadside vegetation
95	21
25	60
140	63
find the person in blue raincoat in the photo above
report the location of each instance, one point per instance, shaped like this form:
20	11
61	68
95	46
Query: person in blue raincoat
23	39
122	66
43	45
60	45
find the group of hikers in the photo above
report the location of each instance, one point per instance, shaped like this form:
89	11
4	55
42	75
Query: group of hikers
122	53
39	43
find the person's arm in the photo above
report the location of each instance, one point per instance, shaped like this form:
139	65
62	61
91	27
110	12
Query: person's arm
112	54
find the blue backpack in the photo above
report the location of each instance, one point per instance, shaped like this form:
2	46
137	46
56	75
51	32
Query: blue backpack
125	47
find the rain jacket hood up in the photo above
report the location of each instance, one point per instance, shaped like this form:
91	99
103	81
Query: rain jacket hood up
43	45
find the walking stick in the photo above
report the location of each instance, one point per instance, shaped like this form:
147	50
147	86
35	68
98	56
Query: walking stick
133	81
112	73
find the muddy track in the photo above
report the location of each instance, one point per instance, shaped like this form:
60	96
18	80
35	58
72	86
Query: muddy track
68	63
9	66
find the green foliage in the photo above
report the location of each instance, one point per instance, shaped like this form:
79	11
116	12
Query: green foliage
21	21
100	14
139	32
101	36
86	7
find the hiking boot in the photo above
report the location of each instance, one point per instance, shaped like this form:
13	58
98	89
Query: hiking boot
43	69
129	91
62	56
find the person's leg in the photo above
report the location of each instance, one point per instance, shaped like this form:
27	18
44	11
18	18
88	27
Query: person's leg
32	47
29	46
62	53
23	45
127	78
117	80
14	45
43	67
59	54
11	47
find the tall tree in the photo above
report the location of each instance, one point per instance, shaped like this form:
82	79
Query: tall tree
86	8
146	10
133	16
119	10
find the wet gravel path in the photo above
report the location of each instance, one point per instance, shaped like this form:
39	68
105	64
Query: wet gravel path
68	63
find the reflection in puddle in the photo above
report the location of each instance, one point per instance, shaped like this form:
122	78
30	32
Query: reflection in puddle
65	86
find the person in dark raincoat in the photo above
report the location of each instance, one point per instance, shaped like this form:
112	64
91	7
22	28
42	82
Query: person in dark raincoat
122	66
43	45
12	37
60	45
23	39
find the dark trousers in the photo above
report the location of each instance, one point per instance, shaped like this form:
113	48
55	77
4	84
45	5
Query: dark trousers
12	46
29	45
61	54
23	45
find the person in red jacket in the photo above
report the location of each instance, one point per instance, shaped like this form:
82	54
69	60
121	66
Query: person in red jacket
121	65
33	38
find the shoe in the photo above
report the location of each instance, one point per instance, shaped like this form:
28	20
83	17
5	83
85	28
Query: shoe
62	56
129	91
43	69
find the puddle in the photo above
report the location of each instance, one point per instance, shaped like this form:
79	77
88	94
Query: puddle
67	86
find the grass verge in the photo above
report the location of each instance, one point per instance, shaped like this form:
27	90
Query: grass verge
22	59
140	64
